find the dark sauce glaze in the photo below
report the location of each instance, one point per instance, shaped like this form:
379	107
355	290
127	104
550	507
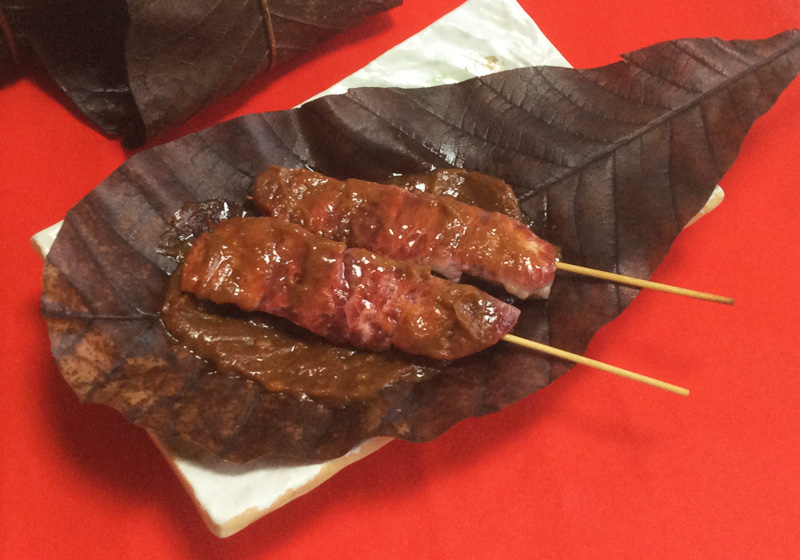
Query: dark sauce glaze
420	223
280	356
489	193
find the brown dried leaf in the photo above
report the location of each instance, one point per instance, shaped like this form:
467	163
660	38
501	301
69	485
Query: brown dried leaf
609	163
134	67
184	55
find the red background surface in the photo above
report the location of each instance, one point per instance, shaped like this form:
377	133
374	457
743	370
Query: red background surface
592	467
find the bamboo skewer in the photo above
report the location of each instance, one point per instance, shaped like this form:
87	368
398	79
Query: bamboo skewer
639	283
583	360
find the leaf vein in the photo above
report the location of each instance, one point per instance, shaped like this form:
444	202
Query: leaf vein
667	116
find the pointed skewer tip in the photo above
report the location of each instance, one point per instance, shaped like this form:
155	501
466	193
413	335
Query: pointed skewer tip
639	283
583	360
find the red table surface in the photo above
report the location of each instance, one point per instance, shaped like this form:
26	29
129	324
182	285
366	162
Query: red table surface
592	467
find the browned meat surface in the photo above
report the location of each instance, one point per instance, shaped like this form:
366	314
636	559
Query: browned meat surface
437	231
280	357
346	295
469	187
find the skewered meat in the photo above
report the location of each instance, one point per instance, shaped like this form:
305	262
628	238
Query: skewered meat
437	231
346	295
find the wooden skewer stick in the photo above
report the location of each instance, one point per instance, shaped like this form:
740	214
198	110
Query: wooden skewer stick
578	359
639	283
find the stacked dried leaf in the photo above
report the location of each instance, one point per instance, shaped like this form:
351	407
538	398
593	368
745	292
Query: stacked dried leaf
135	67
609	164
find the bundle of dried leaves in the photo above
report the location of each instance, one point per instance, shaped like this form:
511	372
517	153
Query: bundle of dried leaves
134	67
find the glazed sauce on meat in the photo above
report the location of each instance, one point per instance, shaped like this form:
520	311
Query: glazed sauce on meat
418	222
348	295
282	357
489	193
278	355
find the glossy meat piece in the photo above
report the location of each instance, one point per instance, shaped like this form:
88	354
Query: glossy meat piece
437	231
346	295
469	187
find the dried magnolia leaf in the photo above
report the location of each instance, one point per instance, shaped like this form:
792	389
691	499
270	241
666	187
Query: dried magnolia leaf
185	54
81	44
134	67
609	164
9	51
